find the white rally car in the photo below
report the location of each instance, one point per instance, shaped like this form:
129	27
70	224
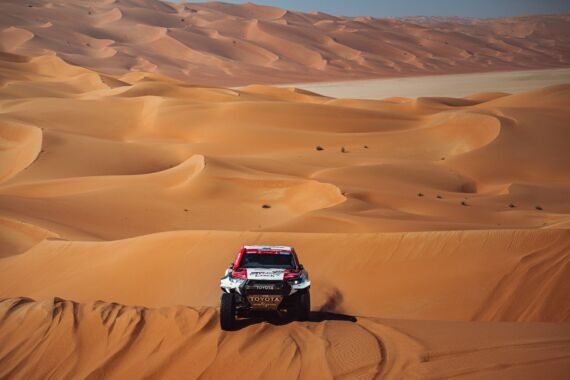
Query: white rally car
264	278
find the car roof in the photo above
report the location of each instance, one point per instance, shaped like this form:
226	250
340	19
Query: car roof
267	248
275	247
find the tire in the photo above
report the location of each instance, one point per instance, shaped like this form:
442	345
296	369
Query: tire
227	312
304	306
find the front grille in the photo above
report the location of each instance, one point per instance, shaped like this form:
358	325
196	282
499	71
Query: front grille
266	287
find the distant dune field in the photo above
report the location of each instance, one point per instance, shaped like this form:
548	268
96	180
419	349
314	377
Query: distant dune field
231	45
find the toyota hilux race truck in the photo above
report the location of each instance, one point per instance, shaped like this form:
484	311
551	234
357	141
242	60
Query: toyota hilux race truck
264	278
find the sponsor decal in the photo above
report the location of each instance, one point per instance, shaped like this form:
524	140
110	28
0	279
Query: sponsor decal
264	287
268	274
264	301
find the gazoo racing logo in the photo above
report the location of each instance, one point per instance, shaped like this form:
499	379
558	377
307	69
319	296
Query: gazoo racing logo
265	274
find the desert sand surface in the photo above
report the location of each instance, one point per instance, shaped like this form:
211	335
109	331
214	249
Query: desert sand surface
185	342
224	44
421	275
436	228
454	85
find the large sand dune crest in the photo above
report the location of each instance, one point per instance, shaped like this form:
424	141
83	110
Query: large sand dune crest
421	275
183	341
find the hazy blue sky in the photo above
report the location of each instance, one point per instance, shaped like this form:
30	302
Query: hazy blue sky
386	8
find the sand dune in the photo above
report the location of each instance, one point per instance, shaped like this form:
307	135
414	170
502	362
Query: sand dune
186	342
20	147
17	237
228	44
408	165
423	275
435	228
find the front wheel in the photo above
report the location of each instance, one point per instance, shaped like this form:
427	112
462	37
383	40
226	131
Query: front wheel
304	306
227	312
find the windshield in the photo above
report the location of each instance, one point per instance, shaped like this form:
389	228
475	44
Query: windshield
260	260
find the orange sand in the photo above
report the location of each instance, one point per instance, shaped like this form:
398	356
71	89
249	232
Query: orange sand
435	229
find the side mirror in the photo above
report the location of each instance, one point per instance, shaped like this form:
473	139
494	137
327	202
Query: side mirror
301	267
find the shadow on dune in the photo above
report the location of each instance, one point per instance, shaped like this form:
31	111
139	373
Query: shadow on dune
276	320
320	316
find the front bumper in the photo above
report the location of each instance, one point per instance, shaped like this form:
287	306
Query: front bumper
264	294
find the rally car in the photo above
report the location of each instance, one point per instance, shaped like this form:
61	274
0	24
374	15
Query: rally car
264	279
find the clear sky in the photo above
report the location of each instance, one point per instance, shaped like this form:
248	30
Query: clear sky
398	8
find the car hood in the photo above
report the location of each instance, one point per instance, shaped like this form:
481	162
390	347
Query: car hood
265	274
